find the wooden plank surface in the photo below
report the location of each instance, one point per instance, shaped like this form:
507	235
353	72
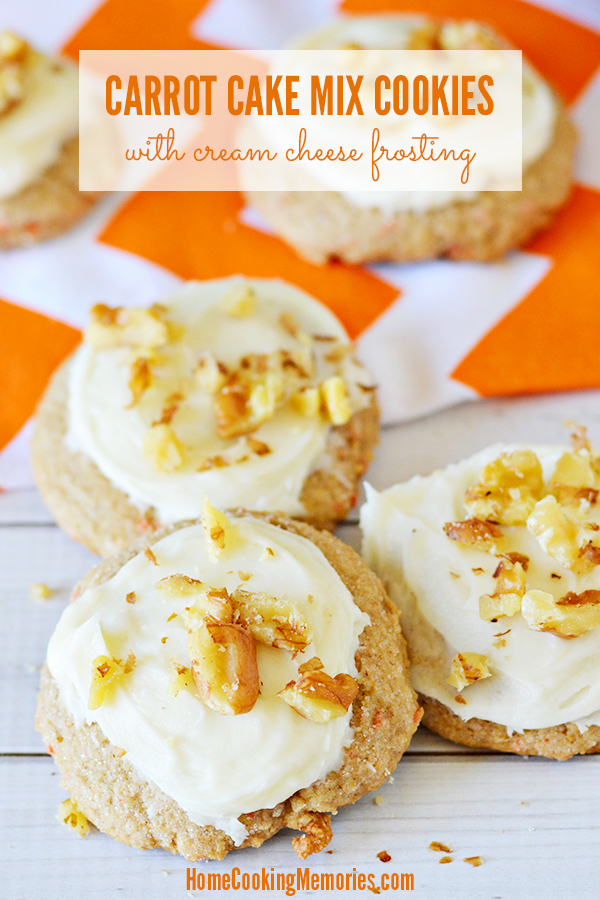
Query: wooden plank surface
534	822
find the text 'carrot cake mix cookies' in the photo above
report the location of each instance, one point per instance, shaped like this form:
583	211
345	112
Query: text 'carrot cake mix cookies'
39	146
244	390
495	565
223	681
480	224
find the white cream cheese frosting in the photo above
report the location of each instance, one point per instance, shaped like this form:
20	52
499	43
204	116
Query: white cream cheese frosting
34	131
104	426
215	767
539	680
389	32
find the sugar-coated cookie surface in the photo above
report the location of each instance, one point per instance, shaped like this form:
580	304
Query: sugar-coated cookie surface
39	146
493	562
242	389
198	765
402	226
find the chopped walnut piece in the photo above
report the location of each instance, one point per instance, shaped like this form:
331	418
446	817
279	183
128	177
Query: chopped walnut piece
169	409
574	479
467	36
318	833
466	669
307	401
106	672
258	447
215	524
508	489
445	859
131	598
515	557
224	667
319	697
272	621
289	324
579	438
313	664
180	586
561	537
210	374
126	327
425	37
214	462
180	678
474	533
70	814
474	860
239	301
439	848
572	615
384	856
13	53
336	401
139	380
162	449
262	383
149	554
508	593
244	576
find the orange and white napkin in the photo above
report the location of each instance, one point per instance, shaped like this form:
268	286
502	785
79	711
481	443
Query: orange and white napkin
433	334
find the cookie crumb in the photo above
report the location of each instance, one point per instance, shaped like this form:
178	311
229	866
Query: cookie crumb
150	555
473	860
70	814
384	856
378	800
40	591
439	848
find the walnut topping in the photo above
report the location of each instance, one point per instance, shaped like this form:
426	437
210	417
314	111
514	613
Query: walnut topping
467	36
40	591
445	859
318	833
162	449
579	438
131	598
572	615
474	533
319	697
384	856
180	586
139	380
439	848
515	557
313	664
169	409
216	524
473	860
149	554
180	678
278	623
560	537
210	374
258	447
289	324
212	603
508	489
126	327
307	401
574	479
224	667
214	462
239	301
336	400
13	53
425	37
508	593
106	672
70	814
262	383
467	668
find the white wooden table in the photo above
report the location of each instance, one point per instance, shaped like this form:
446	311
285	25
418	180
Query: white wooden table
534	822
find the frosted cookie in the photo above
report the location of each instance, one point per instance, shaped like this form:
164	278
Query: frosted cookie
494	562
358	226
230	679
39	147
244	390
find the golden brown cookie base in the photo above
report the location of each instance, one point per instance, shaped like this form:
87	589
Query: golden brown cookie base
323	225
89	508
385	715
49	206
559	742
